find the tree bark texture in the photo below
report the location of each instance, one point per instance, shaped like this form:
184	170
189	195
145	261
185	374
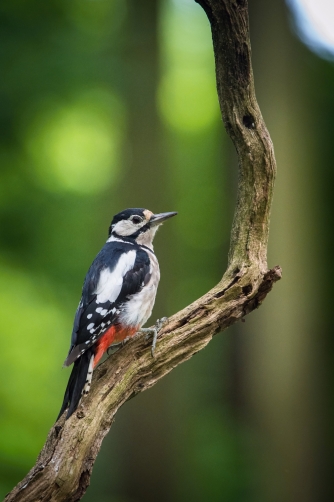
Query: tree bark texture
63	468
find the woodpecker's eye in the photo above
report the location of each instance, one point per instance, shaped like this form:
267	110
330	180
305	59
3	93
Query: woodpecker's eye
136	219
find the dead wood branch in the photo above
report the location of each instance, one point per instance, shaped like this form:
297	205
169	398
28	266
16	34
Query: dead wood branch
64	466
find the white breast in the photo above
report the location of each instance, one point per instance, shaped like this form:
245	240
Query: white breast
138	309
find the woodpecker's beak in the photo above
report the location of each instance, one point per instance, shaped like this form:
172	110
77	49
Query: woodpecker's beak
156	219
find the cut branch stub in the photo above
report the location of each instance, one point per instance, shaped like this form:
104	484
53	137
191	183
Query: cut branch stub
64	466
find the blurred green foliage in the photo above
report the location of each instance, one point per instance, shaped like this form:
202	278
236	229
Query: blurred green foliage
107	104
62	122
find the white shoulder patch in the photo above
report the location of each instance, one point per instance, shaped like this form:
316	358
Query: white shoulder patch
110	283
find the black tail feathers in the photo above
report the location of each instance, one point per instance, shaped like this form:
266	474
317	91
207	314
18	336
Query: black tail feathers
76	383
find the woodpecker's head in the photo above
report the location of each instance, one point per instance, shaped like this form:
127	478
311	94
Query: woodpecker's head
138	224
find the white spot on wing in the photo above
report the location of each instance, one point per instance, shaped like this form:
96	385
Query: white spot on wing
90	326
89	316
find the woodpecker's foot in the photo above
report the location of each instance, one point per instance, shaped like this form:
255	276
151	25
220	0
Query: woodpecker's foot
154	332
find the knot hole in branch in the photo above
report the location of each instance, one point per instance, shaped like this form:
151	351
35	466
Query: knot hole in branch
247	289
248	121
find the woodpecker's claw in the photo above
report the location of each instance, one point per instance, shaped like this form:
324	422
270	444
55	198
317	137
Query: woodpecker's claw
154	331
161	322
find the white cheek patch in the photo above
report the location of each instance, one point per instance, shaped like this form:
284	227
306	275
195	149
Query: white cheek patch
110	282
124	227
127	227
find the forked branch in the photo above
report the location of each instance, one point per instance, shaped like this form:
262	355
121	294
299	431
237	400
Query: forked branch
64	466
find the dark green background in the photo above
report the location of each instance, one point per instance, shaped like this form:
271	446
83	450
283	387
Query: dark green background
107	104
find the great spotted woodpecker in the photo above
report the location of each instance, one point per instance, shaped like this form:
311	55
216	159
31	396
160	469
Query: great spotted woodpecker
117	297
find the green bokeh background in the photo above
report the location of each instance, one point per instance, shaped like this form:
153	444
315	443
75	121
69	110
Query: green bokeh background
107	104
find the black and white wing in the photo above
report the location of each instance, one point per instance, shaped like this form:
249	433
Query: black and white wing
116	273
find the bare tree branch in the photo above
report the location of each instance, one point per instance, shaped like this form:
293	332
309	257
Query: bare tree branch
64	466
